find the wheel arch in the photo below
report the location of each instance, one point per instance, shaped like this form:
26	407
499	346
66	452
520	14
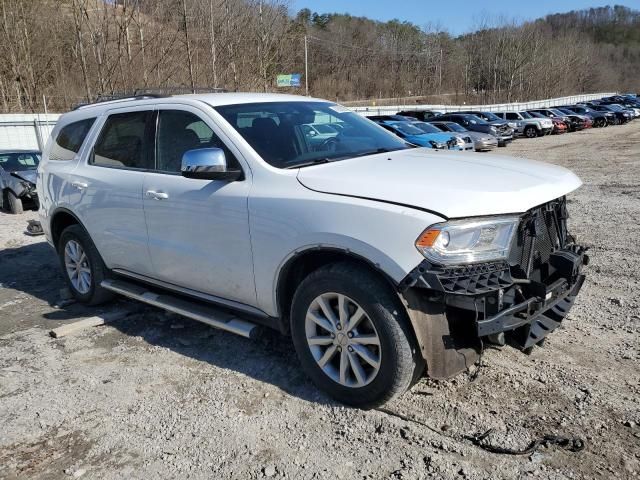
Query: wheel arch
61	219
304	262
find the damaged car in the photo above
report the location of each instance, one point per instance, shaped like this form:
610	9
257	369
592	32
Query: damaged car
18	180
383	261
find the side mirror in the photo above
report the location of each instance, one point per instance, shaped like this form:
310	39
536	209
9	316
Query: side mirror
208	164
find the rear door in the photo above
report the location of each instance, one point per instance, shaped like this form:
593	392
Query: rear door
61	157
198	229
107	193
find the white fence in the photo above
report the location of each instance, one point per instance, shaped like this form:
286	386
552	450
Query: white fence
551	102
26	131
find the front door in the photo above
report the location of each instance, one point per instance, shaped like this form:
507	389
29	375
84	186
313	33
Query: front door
198	230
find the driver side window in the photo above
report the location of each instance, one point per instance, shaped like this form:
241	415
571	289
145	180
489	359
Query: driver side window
180	131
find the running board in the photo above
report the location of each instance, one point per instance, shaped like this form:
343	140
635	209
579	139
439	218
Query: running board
206	314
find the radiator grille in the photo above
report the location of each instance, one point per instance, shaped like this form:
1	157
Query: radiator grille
541	232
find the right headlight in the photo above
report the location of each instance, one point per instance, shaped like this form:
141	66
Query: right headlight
468	241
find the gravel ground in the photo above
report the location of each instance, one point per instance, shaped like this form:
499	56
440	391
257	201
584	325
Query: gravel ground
158	396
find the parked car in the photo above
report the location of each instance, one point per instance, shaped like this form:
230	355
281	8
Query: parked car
573	123
559	125
526	124
624	108
18	180
463	142
620	116
381	260
587	120
422	115
410	133
482	142
599	119
505	131
476	124
320	134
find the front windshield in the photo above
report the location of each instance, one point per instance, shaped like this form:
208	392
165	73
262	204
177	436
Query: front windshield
427	127
491	116
475	120
456	127
275	131
407	128
537	115
615	107
19	162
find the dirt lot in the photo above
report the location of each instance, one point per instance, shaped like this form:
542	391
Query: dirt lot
157	396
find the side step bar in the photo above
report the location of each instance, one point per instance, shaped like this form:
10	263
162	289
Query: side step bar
202	313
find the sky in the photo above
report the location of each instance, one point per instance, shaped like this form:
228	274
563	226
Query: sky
455	16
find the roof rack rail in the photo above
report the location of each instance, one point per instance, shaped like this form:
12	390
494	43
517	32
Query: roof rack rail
147	93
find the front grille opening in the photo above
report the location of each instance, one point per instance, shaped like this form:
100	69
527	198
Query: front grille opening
542	231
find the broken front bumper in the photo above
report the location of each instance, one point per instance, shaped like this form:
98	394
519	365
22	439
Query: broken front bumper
526	296
535	317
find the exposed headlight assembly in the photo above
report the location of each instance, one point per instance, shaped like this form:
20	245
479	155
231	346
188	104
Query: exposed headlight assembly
468	241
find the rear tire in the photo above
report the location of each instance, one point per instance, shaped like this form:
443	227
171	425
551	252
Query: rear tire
378	354
15	204
82	266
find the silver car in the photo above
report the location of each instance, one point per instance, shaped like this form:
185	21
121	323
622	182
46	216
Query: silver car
482	142
18	180
526	124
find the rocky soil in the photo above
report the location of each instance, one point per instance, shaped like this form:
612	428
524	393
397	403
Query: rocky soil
158	396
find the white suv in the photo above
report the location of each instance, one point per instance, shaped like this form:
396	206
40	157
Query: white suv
383	261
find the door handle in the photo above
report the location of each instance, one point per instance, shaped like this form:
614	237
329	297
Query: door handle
157	195
79	185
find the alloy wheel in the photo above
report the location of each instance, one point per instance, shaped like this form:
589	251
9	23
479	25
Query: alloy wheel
343	340
77	266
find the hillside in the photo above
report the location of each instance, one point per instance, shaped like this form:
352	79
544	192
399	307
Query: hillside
71	50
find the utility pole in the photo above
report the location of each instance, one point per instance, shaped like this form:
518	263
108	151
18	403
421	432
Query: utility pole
306	66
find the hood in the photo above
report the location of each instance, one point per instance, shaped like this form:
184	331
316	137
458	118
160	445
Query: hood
450	184
26	175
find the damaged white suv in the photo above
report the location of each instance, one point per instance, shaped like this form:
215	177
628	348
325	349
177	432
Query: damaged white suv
383	261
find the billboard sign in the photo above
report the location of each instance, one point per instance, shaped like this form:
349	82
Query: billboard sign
290	80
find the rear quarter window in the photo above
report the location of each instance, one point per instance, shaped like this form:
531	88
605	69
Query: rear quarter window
70	139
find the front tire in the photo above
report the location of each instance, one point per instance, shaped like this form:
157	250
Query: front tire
82	266
531	132
351	334
15	203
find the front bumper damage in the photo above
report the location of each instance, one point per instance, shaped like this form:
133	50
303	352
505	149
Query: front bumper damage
526	297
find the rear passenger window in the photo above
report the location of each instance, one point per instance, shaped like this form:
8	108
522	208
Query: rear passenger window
180	131
70	139
123	142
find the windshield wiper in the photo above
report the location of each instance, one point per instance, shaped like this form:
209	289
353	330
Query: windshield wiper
378	150
317	161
